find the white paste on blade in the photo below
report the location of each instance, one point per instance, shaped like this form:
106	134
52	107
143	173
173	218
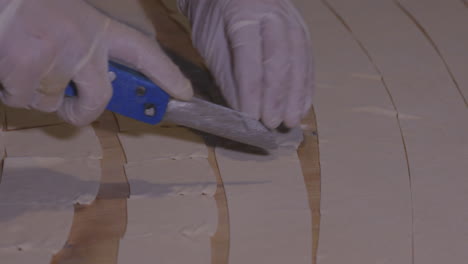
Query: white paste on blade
36	202
269	214
162	142
169	177
62	141
366	202
437	144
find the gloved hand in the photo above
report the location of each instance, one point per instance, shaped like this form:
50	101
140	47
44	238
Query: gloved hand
259	52
44	44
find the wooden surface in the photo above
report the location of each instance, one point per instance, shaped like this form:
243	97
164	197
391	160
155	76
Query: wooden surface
308	154
97	228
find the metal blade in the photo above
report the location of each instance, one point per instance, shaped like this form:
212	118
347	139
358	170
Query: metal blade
220	121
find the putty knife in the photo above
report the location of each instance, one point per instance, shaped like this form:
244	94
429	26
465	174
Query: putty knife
136	97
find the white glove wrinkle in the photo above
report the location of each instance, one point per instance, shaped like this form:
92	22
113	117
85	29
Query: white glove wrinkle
97	42
261	68
46	44
7	15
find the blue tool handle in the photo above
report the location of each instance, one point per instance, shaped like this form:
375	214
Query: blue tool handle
134	95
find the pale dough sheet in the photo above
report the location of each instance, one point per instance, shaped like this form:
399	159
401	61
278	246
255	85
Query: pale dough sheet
171	211
35	215
157	216
169	230
437	142
162	143
343	56
34	181
34	229
10	256
415	74
446	24
438	153
170	178
366	196
269	214
53	141
18	118
366	201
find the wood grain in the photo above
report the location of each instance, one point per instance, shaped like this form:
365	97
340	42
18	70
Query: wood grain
220	241
308	154
97	228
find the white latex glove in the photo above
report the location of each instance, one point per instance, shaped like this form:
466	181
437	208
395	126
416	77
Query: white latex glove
260	54
44	44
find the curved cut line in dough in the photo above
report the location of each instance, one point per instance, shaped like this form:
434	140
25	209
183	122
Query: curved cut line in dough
270	219
37	197
384	112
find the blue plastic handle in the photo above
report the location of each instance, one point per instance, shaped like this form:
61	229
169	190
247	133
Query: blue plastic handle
134	96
